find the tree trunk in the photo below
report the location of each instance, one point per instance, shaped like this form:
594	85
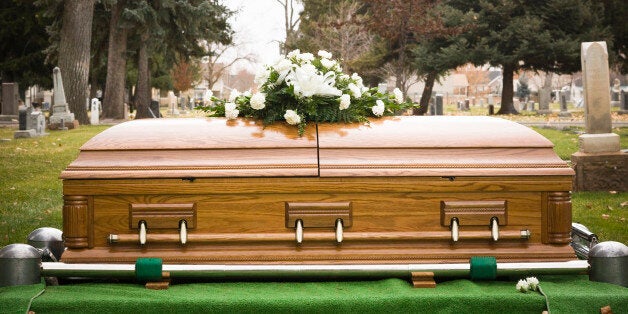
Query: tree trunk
113	100
427	94
507	107
74	54
142	93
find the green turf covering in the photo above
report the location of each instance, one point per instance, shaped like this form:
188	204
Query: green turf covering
567	294
483	268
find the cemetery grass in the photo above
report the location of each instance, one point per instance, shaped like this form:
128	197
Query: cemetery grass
31	191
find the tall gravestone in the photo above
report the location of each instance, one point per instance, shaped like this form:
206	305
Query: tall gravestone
61	117
624	103
94	118
10	98
545	94
599	164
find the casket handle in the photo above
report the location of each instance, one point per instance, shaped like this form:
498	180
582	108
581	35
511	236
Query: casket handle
454	229
299	231
495	229
339	231
183	232
142	227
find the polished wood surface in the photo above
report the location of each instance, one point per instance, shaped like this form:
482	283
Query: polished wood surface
241	187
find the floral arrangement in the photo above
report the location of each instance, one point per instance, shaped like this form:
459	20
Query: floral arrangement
528	284
301	88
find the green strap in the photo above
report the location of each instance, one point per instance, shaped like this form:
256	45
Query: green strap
148	269
483	268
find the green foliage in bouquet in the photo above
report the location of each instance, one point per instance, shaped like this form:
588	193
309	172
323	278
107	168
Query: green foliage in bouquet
304	88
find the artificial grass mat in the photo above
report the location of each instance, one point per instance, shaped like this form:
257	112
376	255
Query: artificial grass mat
567	294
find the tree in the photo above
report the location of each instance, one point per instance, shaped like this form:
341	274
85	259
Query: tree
185	75
215	61
615	12
23	38
530	35
291	23
113	98
74	54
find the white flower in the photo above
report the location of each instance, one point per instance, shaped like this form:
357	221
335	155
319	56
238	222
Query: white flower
379	108
324	54
292	117
398	95
357	79
232	114
345	101
230	111
247	93
355	90
330	64
307	57
258	101
283	67
533	283
294	53
522	286
261	76
308	82
230	106
233	95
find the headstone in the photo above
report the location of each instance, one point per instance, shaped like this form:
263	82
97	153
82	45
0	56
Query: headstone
545	94
624	103
439	104
615	93
32	123
563	105
431	109
531	105
154	109
466	104
10	102
94	119
61	117
599	164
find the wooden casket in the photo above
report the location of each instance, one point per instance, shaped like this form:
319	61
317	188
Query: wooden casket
397	190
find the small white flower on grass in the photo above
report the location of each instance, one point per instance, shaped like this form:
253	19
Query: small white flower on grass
522	285
379	108
258	101
292	117
345	101
533	283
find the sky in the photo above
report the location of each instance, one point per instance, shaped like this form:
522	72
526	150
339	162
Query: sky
259	26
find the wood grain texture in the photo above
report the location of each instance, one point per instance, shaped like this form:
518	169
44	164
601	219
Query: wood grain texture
239	176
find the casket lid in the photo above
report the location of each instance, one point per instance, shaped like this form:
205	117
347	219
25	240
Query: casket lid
395	146
182	148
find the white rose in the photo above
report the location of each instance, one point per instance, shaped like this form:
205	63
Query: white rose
292	117
233	95
230	106
345	101
307	57
258	101
355	90
232	114
294	53
398	95
379	108
262	76
330	64
357	79
324	54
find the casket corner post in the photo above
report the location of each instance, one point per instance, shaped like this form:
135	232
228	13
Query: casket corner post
557	218
76	221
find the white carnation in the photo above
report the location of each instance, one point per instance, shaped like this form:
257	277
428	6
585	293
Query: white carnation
233	95
398	95
307	57
522	286
292	117
355	90
230	106
379	108
232	114
357	79
262	76
324	54
294	53
258	101
533	283
345	101
330	64
247	93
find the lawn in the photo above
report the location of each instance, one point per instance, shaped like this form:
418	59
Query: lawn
31	192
